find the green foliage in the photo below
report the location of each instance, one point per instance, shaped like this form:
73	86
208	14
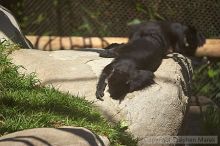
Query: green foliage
207	82
134	22
150	11
26	104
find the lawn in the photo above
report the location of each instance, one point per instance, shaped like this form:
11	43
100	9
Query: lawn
26	104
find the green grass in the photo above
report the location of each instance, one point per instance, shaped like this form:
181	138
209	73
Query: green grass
25	104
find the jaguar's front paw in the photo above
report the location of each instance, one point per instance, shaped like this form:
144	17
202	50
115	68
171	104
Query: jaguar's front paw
99	95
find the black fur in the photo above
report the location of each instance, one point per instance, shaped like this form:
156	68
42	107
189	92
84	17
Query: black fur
134	63
132	69
176	37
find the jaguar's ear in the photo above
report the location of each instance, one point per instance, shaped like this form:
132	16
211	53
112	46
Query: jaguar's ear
185	41
140	79
194	39
199	38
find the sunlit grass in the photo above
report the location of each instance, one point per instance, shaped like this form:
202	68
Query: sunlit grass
26	104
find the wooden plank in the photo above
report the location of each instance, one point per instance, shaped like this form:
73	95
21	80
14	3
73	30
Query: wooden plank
50	43
66	43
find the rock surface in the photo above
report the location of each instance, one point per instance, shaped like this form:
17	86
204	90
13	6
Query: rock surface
64	136
10	30
155	111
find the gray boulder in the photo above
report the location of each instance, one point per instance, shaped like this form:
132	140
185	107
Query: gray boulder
10	30
154	111
64	136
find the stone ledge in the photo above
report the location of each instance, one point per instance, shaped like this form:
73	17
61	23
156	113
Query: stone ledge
63	136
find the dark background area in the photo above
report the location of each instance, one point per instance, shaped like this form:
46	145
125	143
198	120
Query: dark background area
110	17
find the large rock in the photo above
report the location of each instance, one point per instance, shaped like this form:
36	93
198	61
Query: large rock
64	136
154	111
10	30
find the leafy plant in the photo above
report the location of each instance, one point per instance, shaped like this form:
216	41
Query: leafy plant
206	81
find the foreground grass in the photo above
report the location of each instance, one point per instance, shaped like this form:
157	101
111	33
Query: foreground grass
25	104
